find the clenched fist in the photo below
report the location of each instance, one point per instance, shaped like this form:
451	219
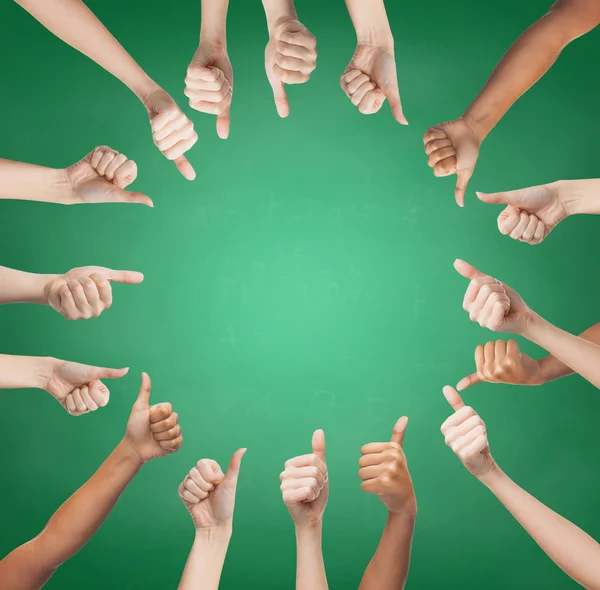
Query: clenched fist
173	133
85	292
305	484
493	304
290	58
209	84
384	472
152	431
102	176
503	362
370	78
530	213
453	148
209	494
78	388
466	435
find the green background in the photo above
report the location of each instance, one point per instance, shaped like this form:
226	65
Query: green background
303	281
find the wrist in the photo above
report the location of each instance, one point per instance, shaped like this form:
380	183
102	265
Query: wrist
311	528
215	534
129	452
61	188
533	326
41	370
492	476
578	197
480	127
376	36
145	90
278	11
407	515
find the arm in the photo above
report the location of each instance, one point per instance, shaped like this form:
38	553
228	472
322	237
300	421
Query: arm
310	567
17	286
26	372
29	182
205	562
370	22
276	10
528	59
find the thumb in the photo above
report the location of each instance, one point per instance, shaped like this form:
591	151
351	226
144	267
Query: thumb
393	95
104	373
453	398
223	123
468	381
281	99
515	198
143	397
233	470
462	179
467	270
185	168
318	444
400	430
135	198
130	277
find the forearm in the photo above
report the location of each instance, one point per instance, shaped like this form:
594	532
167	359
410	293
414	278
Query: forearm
389	567
205	562
577	353
73	524
22	287
278	9
580	196
75	24
29	182
214	21
573	550
24	372
370	22
310	567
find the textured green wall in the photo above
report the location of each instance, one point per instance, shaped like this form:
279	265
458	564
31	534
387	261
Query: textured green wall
303	280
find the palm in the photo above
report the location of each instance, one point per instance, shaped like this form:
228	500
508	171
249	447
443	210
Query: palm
480	463
140	436
378	63
208	56
215	510
518	315
290	26
465	143
68	377
90	187
307	512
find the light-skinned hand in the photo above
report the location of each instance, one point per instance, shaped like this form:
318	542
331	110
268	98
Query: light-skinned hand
453	148
209	84
466	435
305	484
493	304
152	431
173	133
503	362
370	78
78	388
209	494
290	58
384	472
531	213
102	176
85	292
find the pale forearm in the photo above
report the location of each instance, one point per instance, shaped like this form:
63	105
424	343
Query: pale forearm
370	22
573	550
389	567
310	567
277	9
580	196
29	182
24	372
205	562
75	24
22	287
214	21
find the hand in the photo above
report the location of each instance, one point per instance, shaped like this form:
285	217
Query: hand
85	292
78	388
173	133
305	484
152	432
493	304
290	58
384	472
453	148
102	176
531	213
466	435
209	84
370	78
503	362
208	494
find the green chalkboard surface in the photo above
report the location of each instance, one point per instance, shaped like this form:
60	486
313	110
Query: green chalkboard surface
303	281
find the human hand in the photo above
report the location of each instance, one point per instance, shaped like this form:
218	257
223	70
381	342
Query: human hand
101	177
173	133
78	388
370	78
503	362
209	84
305	484
453	148
531	213
85	292
209	495
152	431
384	472
466	435
290	58
493	304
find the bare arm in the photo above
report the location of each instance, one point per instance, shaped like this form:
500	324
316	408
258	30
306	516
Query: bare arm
529	58
277	9
24	372
29	182
17	286
31	565
370	21
310	567
205	562
570	548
